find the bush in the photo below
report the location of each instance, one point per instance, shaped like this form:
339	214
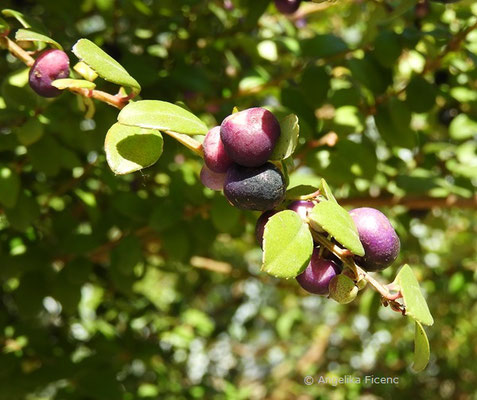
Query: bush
123	277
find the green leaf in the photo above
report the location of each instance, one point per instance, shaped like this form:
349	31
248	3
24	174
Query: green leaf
323	46
315	83
462	127
422	351
416	306
299	190
25	21
24	213
161	115
326	191
224	217
130	148
30	132
287	245
420	95
106	66
393	122
334	219
9	186
73	83
387	48
290	130
400	9
30	36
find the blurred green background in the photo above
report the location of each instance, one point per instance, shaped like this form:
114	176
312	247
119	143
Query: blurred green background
148	285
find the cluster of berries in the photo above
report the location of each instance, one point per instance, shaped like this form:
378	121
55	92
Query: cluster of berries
236	155
324	274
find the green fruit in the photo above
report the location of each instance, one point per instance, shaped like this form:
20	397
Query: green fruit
361	284
343	289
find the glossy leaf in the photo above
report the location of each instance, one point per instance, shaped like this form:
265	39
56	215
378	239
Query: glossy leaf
416	306
287	245
290	130
335	220
163	116
30	36
129	148
422	351
105	66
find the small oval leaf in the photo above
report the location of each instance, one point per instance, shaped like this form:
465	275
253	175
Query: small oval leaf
130	148
287	245
422	350
334	219
416	306
290	130
73	83
30	36
106	66
161	115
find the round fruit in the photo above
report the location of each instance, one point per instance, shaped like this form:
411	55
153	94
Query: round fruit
343	289
212	179
301	207
361	283
260	226
259	188
50	65
215	156
287	6
318	274
250	136
380	241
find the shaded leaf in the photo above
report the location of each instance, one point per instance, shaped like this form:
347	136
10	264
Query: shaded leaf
9	186
290	130
130	148
422	351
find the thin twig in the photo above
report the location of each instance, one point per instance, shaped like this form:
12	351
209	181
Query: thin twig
188	142
17	51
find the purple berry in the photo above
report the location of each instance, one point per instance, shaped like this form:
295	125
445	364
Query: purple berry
380	241
215	156
301	207
318	274
260	226
287	6
249	136
212	179
50	65
259	188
